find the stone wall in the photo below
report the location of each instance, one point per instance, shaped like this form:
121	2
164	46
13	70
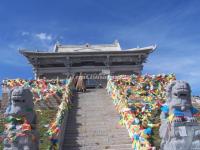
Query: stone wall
62	134
4	100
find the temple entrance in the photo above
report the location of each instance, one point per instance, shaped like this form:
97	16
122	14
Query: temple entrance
93	79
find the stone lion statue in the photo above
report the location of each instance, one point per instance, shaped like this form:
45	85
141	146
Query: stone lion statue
179	128
20	132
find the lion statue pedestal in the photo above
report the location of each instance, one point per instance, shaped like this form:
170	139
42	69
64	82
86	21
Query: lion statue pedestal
20	129
179	129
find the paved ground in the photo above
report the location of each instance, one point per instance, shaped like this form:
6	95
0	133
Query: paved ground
93	124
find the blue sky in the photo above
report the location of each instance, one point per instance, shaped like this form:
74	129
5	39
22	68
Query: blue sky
173	25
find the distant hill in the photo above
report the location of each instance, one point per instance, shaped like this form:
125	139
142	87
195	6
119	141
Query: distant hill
196	98
196	101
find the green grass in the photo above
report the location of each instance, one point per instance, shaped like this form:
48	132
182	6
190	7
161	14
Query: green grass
45	117
155	139
1	130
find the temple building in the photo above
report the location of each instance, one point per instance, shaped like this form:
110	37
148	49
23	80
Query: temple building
105	59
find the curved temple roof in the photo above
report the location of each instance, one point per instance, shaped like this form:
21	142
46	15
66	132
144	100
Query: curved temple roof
87	48
95	48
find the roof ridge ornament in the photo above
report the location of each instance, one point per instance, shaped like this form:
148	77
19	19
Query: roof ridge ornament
87	45
56	46
57	42
116	43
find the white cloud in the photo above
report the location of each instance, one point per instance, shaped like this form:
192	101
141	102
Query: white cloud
186	68
195	74
24	33
43	36
172	64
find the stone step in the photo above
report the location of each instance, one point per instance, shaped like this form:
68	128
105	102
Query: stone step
93	124
104	144
95	129
97	140
111	140
102	147
93	134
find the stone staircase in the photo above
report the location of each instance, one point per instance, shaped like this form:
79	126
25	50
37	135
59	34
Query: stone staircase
93	124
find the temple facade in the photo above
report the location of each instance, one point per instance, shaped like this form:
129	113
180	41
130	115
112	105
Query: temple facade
65	60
